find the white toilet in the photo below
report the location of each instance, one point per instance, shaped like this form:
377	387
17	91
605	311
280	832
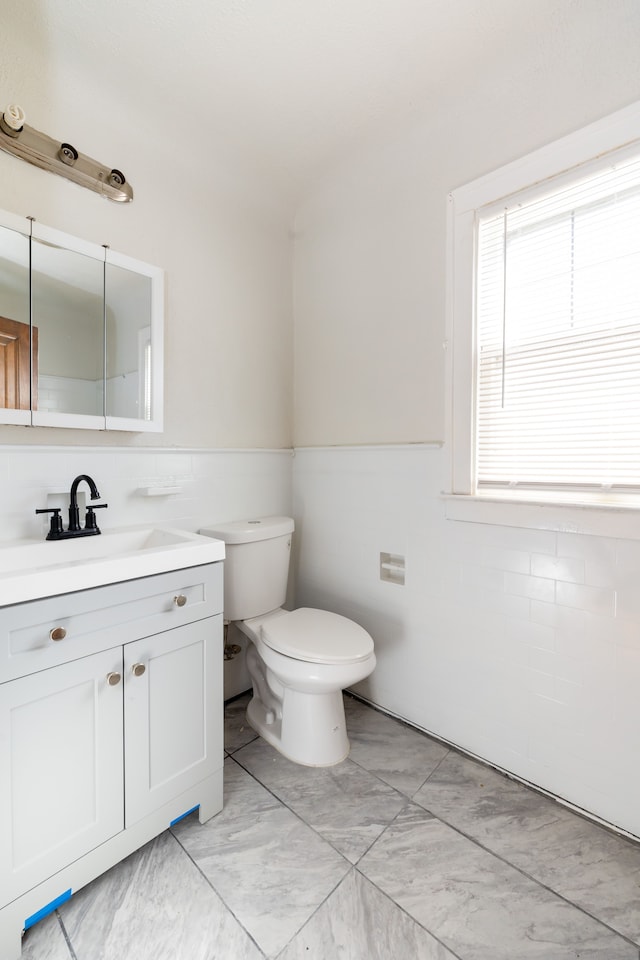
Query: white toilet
300	661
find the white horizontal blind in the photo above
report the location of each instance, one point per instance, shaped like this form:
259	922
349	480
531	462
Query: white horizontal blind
558	337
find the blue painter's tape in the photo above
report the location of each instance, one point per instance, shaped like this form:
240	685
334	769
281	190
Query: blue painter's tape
183	815
45	911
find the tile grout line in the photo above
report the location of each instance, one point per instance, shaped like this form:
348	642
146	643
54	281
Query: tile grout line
312	915
386	895
435	769
284	804
406	913
220	897
533	879
230	752
66	936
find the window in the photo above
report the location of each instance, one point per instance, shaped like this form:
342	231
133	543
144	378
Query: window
544	298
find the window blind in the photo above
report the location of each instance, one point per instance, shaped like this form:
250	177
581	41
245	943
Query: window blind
557	397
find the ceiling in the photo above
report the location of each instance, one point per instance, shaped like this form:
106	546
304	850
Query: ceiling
295	84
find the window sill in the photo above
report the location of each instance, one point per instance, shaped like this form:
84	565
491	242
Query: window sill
594	519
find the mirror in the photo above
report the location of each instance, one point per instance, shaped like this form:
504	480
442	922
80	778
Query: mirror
80	332
15	327
67	304
129	379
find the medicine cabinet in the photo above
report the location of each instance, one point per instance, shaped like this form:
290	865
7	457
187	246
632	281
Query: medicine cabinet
81	332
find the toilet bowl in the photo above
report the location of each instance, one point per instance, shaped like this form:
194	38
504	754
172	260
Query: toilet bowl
299	661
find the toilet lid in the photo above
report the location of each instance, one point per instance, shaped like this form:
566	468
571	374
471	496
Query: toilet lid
317	636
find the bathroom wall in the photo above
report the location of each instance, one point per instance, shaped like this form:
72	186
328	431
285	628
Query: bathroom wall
209	218
520	645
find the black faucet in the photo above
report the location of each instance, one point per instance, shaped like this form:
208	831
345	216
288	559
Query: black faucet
74	514
57	531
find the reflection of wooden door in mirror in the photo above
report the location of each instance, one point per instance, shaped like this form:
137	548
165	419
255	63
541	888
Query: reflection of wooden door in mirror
14	365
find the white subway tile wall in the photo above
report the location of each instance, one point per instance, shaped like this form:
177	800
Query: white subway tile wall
519	645
213	485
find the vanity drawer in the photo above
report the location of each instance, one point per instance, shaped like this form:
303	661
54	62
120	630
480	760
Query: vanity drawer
44	633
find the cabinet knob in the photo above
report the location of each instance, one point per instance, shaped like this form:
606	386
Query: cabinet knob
57	633
113	679
180	600
138	669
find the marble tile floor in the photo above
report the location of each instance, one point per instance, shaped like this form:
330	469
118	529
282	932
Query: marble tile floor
405	851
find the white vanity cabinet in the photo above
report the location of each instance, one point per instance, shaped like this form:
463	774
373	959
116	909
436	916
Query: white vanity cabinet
110	731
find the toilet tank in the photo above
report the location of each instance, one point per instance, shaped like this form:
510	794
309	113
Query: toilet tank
256	566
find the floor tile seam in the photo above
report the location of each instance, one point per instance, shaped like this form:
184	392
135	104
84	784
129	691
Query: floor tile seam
312	915
384	830
272	793
384	782
66	936
429	775
407	800
230	752
295	813
530	877
281	803
403	910
216	892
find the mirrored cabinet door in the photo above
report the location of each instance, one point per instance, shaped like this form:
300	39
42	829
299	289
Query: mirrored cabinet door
18	365
67	290
133	322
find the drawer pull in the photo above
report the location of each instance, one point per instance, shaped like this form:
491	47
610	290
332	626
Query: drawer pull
138	669
113	679
180	600
57	633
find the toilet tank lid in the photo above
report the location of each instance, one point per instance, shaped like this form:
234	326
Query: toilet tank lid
247	531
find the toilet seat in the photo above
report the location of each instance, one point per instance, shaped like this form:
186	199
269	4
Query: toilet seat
316	636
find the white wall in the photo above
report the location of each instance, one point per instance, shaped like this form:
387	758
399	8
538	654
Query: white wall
370	250
207	219
522	646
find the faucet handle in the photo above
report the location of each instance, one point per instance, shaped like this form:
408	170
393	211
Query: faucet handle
90	518
56	528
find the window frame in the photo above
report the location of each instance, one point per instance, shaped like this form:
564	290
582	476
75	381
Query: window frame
571	153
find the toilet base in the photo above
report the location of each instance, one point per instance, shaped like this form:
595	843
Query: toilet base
311	729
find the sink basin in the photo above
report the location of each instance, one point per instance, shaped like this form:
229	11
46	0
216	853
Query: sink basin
30	569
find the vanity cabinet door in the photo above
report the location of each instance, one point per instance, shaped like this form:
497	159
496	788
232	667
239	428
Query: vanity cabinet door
60	768
172	707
